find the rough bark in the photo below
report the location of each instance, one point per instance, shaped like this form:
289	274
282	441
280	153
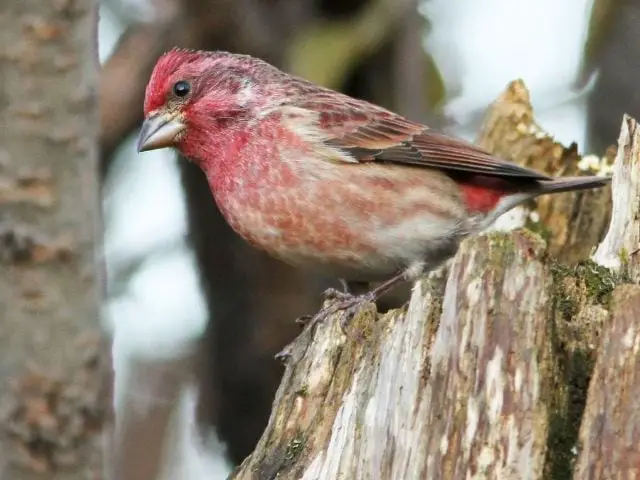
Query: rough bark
486	373
389	396
55	369
610	431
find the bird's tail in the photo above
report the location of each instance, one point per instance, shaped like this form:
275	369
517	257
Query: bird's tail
542	187
569	184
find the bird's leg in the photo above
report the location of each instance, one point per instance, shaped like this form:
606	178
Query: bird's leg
352	291
348	290
352	303
345	301
331	294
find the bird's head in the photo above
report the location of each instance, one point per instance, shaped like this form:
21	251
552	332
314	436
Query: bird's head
194	95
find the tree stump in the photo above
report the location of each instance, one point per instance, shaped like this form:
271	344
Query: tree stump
518	359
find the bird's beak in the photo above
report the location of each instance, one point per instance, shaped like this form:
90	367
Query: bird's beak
160	131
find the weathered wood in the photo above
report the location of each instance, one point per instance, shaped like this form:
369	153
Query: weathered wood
610	431
331	379
482	409
620	250
572	223
470	383
398	400
486	372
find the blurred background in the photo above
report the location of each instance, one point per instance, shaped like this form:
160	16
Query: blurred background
196	315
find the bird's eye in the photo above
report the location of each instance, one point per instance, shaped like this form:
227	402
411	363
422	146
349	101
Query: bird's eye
181	88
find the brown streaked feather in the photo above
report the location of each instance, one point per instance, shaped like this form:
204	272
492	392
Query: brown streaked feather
371	133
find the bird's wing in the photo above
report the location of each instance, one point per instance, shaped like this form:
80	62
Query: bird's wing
371	133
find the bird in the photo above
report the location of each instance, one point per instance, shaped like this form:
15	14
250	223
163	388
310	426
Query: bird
325	181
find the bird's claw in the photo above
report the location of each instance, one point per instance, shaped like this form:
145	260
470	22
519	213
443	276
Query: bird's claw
346	302
350	304
335	294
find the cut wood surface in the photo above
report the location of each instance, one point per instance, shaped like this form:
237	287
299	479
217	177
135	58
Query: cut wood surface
518	359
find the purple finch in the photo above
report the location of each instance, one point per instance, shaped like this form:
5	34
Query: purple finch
325	181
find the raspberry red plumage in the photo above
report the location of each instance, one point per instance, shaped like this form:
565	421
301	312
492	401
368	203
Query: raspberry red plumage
326	181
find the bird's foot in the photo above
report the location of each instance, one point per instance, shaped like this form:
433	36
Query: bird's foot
350	304
335	294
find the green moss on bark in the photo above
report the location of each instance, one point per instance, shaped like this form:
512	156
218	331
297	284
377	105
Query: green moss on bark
579	291
294	448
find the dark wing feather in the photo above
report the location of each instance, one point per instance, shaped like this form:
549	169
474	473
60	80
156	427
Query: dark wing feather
371	133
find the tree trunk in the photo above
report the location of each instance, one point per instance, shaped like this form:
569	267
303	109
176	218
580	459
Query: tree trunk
55	370
487	372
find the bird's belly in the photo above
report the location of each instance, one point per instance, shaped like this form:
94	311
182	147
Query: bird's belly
345	235
355	230
315	239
